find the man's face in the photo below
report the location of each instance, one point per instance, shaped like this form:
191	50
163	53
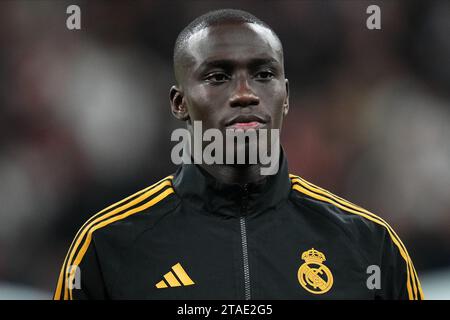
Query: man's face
233	77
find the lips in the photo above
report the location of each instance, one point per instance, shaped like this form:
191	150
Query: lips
245	125
250	121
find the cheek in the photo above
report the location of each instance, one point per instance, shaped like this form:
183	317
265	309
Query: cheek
204	100
206	105
198	103
274	101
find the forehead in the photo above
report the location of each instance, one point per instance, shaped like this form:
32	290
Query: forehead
235	42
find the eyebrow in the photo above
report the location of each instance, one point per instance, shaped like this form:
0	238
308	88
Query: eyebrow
228	63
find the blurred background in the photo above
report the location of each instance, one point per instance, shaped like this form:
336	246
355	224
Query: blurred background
85	120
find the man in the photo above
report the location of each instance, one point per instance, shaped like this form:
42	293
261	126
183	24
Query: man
224	230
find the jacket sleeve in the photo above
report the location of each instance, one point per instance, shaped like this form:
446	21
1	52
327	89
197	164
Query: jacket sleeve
399	277
81	281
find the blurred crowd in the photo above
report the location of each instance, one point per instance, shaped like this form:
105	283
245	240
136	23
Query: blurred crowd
85	118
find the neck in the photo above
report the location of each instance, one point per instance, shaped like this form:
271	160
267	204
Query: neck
234	174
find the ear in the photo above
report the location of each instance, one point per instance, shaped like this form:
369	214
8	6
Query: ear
177	104
286	100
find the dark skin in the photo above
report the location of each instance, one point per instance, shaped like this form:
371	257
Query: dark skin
229	70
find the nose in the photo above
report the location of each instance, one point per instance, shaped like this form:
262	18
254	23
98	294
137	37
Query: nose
243	95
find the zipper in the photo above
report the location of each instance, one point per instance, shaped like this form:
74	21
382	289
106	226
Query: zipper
244	245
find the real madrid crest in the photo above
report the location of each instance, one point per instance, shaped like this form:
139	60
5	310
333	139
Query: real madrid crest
313	275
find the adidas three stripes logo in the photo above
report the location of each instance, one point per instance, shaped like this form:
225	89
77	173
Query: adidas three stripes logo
177	278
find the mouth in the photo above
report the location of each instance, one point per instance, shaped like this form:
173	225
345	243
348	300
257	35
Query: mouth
246	122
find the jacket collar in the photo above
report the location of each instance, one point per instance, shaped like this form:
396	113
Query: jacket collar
200	190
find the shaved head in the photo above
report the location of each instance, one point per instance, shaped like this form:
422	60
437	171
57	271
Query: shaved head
181	55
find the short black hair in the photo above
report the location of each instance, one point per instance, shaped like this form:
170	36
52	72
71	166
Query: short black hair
213	18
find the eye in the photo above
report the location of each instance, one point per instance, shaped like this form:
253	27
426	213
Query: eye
264	75
217	78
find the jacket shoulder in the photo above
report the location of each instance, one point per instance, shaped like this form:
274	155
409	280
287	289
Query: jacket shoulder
148	203
352	217
129	215
114	228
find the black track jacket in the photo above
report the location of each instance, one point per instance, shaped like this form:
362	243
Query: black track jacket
191	237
